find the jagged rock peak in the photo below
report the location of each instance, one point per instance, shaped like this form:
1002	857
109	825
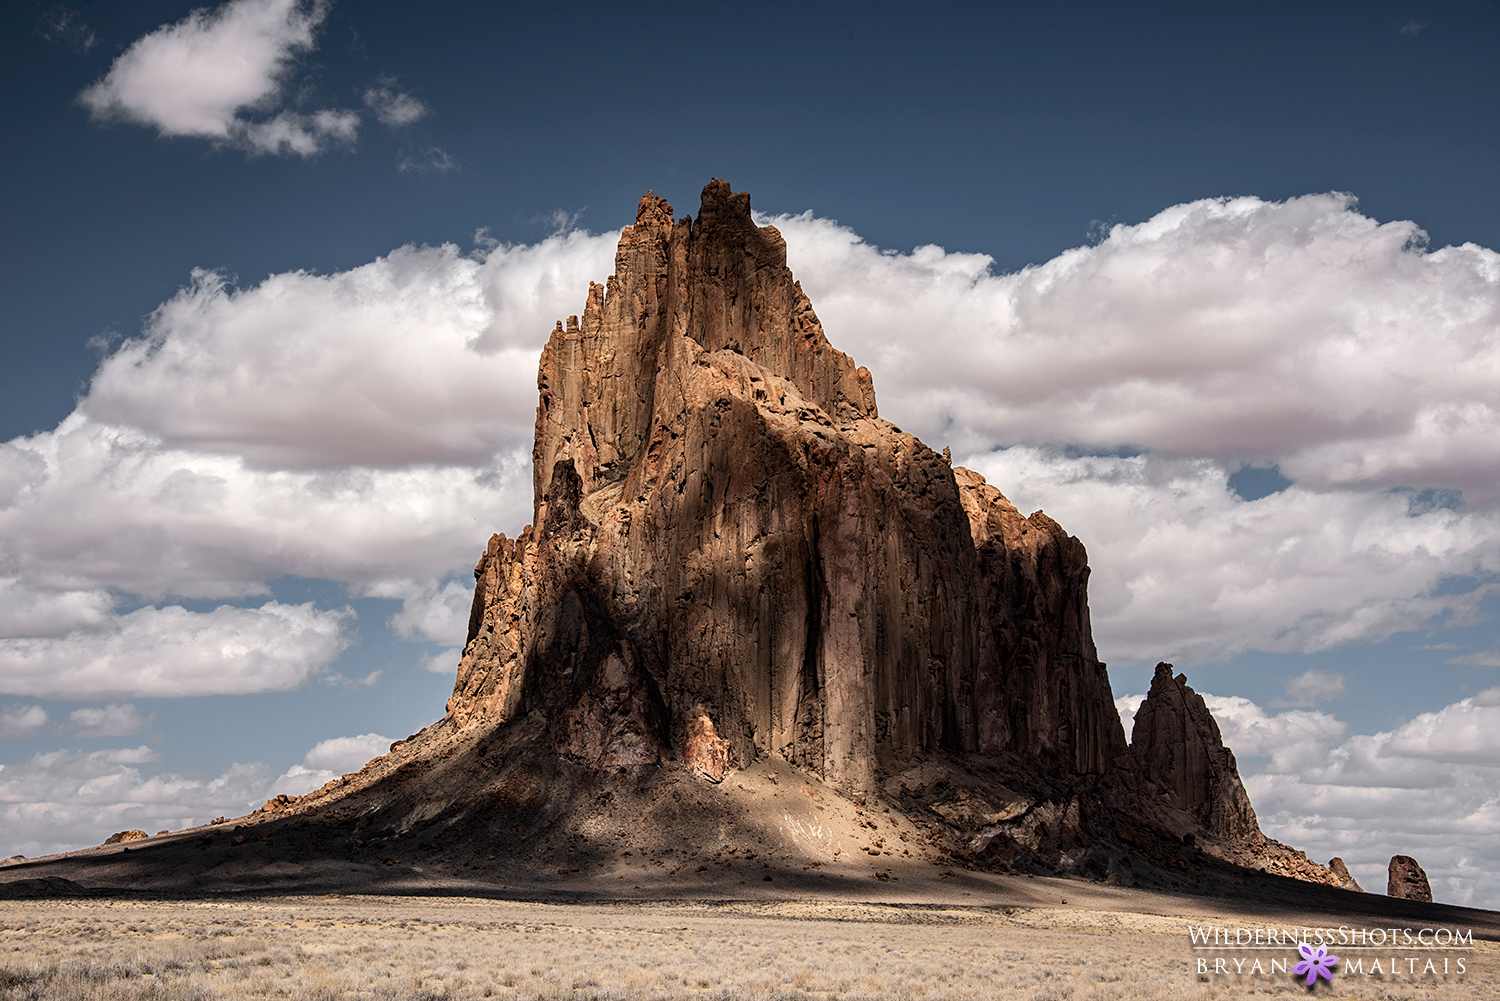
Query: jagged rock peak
722	284
1405	879
732	556
1342	876
1179	747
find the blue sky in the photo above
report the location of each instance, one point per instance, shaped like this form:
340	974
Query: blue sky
1215	288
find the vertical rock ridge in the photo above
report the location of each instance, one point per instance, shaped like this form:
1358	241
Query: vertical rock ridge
1055	704
1178	746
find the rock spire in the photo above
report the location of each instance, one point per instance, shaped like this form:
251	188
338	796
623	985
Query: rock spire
1179	747
1405	879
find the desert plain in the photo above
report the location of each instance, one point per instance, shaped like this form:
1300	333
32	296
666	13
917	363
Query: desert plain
952	934
768	886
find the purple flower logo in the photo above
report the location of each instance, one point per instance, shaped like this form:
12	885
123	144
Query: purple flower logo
1315	963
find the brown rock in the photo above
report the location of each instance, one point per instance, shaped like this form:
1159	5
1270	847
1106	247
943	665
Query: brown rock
123	836
1055	699
1342	875
1407	880
706	753
1178	747
724	526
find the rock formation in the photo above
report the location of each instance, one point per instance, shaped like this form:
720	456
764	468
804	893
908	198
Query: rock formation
1407	880
736	568
115	839
724	528
1179	748
1342	875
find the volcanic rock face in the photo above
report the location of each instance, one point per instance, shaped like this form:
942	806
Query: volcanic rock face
1036	593
1407	880
1343	876
1179	747
725	528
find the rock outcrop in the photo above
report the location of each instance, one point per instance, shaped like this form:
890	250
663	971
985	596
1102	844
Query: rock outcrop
1342	875
123	836
1179	748
1407	880
725	528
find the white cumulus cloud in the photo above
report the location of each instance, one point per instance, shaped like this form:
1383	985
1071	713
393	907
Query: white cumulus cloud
328	760
1313	686
27	611
1184	570
1300	332
425	356
116	509
1467	732
68	799
21	721
171	651
113	720
429	611
204	75
393	107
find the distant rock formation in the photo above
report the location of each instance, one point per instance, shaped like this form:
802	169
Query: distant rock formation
1407	880
1180	749
724	528
115	839
1342	875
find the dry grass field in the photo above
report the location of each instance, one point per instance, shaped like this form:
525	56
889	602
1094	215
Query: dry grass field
336	947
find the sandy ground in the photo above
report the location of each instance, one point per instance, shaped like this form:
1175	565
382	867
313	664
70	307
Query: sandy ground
1134	946
768	886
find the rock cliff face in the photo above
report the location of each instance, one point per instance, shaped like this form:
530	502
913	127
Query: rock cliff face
1180	749
1407	880
1342	875
724	528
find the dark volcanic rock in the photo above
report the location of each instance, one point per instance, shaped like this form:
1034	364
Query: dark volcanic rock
1180	749
1407	880
40	888
725	528
1342	875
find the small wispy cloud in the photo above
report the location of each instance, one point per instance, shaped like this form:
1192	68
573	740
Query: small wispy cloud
334	679
203	75
1313	686
1412	27
66	26
561	220
1487	658
108	721
431	160
393	107
21	721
